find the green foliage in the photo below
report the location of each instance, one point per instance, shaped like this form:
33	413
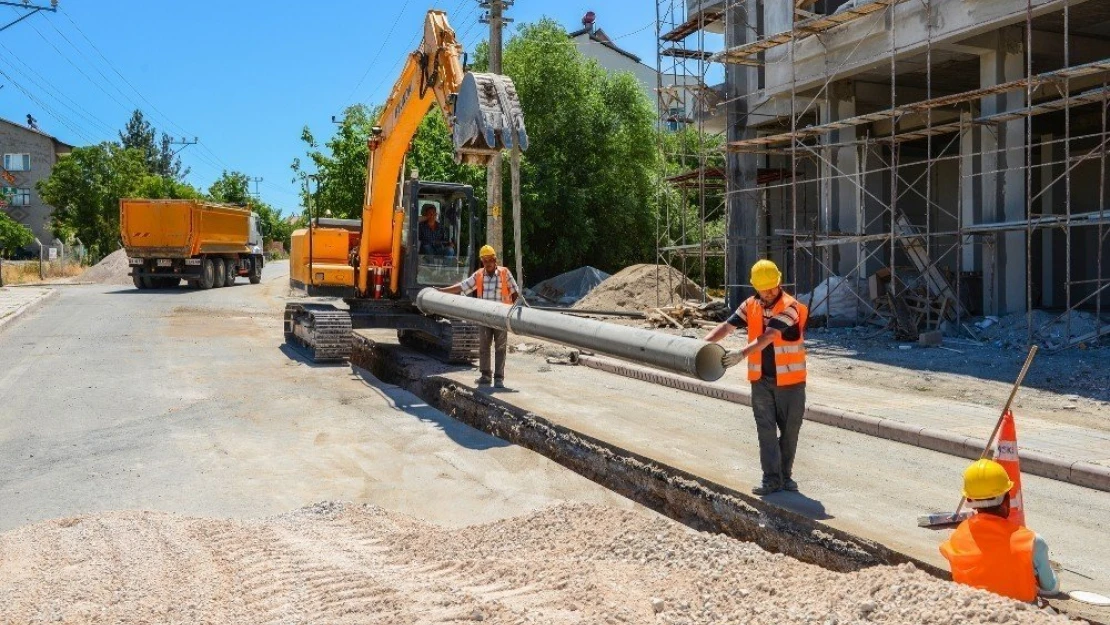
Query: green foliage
340	168
158	156
681	211
231	188
432	155
157	187
270	222
13	235
85	188
587	180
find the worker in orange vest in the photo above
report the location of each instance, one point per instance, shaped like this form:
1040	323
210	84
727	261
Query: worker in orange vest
776	358
496	283
991	552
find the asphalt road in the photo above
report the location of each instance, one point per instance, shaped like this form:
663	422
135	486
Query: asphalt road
187	401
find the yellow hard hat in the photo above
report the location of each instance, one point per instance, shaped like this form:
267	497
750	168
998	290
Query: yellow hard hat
487	250
986	479
765	275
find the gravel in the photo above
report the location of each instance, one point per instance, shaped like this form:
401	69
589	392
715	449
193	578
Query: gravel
113	269
345	563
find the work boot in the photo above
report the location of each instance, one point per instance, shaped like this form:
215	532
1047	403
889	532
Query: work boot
499	383
790	485
767	488
483	381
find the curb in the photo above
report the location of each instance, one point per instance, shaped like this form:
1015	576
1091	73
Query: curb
26	308
1038	463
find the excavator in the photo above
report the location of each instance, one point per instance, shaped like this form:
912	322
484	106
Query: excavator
378	264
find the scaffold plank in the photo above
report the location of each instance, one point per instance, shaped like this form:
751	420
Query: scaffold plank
802	29
692	25
684	53
1053	77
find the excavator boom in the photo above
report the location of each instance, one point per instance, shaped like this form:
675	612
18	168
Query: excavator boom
482	110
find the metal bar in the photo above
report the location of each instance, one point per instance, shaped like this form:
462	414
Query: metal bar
683	355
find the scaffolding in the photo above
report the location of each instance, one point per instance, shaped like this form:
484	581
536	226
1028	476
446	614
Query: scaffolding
925	199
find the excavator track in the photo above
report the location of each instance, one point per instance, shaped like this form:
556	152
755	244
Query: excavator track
457	342
322	331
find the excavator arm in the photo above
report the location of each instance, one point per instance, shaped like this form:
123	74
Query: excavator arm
482	111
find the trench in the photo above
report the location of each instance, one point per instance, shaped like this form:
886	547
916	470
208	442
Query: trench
694	501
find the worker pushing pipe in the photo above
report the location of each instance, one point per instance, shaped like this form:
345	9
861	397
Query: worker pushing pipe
683	355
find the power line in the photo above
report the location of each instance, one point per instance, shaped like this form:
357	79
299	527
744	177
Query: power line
49	110
380	49
54	93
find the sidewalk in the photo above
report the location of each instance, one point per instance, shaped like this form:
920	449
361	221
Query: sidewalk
1049	448
16	301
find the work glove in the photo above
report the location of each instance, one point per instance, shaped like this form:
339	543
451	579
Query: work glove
732	357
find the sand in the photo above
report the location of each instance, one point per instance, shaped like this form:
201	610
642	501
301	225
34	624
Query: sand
344	563
641	287
113	269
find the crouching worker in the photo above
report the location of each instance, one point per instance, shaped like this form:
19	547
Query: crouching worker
991	552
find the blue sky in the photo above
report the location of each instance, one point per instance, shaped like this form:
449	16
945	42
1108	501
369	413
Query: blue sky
244	76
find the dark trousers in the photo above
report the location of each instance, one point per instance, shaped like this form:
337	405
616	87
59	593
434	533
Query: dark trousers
778	414
500	341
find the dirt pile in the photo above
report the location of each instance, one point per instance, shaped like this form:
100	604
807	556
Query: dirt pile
342	563
113	269
641	287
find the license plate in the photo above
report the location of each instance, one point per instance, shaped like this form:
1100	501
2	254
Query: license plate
165	262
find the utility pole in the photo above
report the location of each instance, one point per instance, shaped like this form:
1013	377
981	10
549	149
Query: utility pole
494	17
256	180
184	143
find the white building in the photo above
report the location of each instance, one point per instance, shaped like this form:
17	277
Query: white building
679	104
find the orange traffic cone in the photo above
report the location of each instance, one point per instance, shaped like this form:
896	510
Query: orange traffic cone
1006	454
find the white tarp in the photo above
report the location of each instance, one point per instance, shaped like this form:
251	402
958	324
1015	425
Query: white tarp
833	298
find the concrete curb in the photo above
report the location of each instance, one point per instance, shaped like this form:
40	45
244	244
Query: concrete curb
1034	462
26	308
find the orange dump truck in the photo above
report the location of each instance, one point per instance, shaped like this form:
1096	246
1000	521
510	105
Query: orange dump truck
206	244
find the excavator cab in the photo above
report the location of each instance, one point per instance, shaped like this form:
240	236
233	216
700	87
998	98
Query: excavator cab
438	236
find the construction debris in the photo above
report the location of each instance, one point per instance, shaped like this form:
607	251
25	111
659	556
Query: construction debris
345	563
689	314
642	287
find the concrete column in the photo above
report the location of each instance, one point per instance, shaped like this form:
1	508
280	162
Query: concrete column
1048	263
745	223
1003	182
840	177
971	211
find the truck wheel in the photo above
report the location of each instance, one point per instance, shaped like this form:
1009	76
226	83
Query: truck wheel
221	273
256	270
148	283
207	275
232	272
138	282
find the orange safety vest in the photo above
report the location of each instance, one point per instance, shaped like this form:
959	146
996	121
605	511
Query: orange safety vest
992	553
790	356
503	277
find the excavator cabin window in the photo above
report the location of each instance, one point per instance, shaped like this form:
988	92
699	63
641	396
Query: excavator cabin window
440	234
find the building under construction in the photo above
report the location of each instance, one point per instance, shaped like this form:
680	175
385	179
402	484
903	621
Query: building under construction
921	162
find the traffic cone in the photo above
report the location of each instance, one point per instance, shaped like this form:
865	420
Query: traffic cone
1006	454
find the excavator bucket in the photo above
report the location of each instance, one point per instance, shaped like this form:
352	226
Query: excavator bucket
488	118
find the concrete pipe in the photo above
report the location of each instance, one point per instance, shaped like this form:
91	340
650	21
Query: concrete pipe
683	355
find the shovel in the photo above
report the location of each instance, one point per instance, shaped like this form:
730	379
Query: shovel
938	519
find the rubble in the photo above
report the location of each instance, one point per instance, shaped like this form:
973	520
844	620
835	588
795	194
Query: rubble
346	563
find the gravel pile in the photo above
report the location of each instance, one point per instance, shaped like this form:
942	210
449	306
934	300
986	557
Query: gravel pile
113	269
641	287
343	563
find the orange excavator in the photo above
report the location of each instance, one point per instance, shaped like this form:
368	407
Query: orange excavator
413	233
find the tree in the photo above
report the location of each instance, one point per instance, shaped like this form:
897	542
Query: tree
13	235
341	170
588	180
158	157
232	188
157	187
85	187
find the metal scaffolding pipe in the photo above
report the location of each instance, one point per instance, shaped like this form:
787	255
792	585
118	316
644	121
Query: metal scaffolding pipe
680	354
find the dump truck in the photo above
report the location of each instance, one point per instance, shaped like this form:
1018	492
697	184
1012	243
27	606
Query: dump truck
203	243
